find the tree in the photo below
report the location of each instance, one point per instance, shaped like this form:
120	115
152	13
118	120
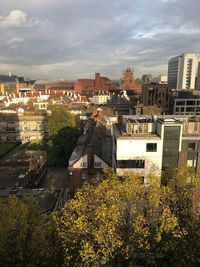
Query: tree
26	239
60	119
123	223
63	136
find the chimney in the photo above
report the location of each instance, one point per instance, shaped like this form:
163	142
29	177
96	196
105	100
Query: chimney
90	156
97	81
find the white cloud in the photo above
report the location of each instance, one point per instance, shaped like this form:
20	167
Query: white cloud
16	18
15	40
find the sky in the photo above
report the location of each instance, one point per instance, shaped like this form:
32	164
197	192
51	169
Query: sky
70	39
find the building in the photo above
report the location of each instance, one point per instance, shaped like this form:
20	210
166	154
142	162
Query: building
22	168
184	102
147	145
9	84
161	79
182	71
100	98
147	78
16	127
198	78
128	83
156	94
92	153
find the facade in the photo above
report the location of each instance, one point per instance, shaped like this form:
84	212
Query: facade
184	102
128	83
100	98
198	78
156	94
147	145
182	71
24	128
9	84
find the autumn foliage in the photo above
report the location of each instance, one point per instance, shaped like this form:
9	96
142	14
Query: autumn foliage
124	223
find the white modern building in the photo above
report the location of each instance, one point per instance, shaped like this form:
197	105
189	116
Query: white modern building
182	71
147	145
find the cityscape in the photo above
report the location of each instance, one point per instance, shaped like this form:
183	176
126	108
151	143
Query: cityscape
99	158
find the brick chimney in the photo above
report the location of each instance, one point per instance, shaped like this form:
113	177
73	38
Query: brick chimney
97	81
90	156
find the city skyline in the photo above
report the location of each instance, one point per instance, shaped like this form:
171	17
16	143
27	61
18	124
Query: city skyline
70	40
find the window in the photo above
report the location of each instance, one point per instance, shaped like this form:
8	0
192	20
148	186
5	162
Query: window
84	164
151	147
191	163
97	164
131	164
191	146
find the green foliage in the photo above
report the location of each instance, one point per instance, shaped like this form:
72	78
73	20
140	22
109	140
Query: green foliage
25	238
35	145
123	223
63	136
59	120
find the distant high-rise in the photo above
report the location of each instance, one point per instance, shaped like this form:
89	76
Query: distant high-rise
198	78
182	71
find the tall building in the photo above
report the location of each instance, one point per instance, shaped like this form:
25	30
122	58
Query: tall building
182	71
198	78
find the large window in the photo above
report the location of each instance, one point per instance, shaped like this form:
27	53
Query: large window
151	147
131	164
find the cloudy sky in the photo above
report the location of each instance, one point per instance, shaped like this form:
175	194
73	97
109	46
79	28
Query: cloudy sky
75	38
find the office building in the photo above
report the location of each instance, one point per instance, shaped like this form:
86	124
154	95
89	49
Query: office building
184	102
198	78
182	71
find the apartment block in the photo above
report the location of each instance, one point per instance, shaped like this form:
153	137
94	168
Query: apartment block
182	71
24	128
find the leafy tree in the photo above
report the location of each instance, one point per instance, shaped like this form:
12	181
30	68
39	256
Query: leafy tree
63	136
26	239
59	120
123	223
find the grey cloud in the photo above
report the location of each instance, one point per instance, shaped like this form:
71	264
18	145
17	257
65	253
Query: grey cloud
76	38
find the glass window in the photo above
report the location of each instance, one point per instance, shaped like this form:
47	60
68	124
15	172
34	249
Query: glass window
131	164
191	146
151	147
